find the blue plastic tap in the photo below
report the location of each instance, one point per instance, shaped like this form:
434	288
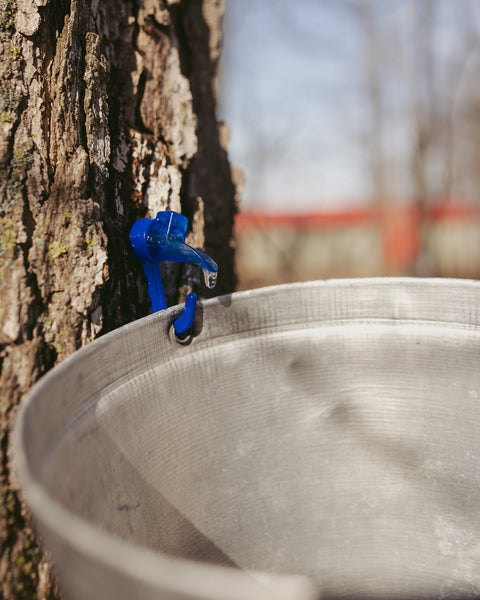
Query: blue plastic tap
163	238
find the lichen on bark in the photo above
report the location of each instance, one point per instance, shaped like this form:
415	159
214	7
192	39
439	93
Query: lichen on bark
107	114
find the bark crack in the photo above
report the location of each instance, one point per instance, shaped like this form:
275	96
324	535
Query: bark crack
139	123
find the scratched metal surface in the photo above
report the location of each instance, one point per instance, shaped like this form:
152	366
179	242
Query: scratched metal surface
326	433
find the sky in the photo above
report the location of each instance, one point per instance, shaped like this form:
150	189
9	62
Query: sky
292	90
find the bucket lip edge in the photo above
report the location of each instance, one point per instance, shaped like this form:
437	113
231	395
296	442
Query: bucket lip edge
166	316
382	281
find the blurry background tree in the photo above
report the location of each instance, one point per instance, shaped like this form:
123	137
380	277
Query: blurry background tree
107	113
340	104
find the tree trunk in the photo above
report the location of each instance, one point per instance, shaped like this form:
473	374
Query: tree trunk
107	114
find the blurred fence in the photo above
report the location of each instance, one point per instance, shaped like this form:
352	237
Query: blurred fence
444	241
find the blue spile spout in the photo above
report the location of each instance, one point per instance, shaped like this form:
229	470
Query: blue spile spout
162	248
163	238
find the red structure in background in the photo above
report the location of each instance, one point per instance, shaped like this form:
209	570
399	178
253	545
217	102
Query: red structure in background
322	220
400	237
400	225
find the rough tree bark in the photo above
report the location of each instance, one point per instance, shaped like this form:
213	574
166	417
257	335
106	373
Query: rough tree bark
107	113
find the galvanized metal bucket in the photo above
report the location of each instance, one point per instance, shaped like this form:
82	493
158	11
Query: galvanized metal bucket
314	438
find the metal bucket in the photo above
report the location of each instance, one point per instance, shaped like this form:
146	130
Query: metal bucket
317	438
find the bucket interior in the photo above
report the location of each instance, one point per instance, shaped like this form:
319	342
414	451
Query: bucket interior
336	438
